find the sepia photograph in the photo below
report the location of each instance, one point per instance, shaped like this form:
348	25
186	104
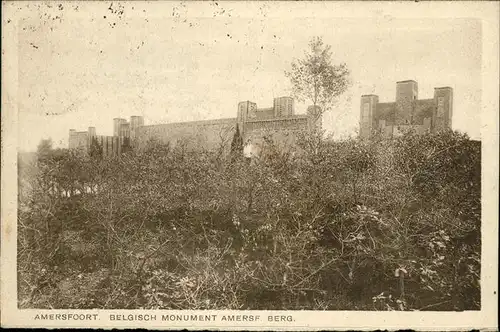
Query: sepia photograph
185	160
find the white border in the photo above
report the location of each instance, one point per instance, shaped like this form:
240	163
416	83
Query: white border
487	12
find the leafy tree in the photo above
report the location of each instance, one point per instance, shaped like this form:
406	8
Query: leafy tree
44	149
127	146
95	149
315	79
237	144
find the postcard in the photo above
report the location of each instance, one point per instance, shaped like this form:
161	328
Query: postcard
250	165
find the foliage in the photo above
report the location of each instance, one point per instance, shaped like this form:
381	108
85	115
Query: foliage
328	225
237	144
44	149
96	149
314	78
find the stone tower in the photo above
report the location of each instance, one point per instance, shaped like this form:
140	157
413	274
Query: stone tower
246	110
406	97
368	109
117	122
407	112
283	107
92	137
443	100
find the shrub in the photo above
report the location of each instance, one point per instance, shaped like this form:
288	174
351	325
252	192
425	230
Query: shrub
379	225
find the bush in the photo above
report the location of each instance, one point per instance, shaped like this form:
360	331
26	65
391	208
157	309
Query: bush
326	225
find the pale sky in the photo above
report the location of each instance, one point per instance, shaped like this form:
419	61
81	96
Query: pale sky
78	70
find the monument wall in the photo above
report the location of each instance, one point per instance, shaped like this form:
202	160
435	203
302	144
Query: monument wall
278	122
200	135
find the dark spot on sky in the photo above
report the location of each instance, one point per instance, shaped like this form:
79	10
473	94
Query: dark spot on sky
262	47
274	36
104	16
8	21
34	46
118	11
60	6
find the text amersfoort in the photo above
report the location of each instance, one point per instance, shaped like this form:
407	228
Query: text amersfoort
66	317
